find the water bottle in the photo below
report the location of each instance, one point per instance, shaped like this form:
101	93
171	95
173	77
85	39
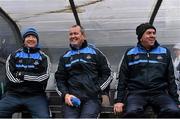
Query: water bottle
75	101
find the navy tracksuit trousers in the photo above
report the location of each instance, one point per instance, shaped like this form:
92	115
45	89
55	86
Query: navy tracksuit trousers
163	102
88	109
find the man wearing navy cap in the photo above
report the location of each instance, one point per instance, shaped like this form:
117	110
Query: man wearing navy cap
146	77
27	72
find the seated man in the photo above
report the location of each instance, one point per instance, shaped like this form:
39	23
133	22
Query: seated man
27	72
146	77
83	74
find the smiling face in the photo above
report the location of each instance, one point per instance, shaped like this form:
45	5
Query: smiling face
148	39
76	37
30	41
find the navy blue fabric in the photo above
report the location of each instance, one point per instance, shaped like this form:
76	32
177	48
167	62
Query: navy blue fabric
86	50
24	57
144	71
37	105
164	104
138	52
71	53
88	109
83	72
23	54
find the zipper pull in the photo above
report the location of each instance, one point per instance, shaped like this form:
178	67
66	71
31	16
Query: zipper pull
148	55
28	50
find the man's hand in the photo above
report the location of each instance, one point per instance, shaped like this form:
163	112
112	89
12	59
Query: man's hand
20	75
179	106
68	99
118	107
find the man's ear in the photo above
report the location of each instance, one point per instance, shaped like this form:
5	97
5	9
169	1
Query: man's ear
84	36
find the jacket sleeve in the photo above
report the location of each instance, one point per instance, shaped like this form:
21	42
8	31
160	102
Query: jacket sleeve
61	77
104	72
122	78
178	72
11	72
172	87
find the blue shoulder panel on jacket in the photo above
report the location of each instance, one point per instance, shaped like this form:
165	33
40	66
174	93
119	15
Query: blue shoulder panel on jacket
86	50
30	55
136	50
159	50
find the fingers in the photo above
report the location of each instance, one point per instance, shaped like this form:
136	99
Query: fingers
118	108
115	110
68	99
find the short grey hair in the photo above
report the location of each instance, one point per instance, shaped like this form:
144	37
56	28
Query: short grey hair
82	29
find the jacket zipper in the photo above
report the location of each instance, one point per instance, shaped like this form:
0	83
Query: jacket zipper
28	58
148	56
79	55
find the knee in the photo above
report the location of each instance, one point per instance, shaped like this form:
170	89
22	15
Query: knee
89	115
170	112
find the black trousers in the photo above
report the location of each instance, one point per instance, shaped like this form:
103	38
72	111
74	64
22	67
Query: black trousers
167	108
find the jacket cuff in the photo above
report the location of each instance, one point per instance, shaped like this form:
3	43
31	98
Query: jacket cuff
64	93
20	75
98	89
118	101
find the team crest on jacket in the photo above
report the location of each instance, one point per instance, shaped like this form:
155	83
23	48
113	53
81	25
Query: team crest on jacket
20	61
159	57
88	56
36	62
136	57
71	58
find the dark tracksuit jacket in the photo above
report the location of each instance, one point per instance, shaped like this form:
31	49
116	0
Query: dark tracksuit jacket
146	71
27	70
82	72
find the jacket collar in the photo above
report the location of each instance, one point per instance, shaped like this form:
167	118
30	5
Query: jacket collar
156	44
84	44
30	50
